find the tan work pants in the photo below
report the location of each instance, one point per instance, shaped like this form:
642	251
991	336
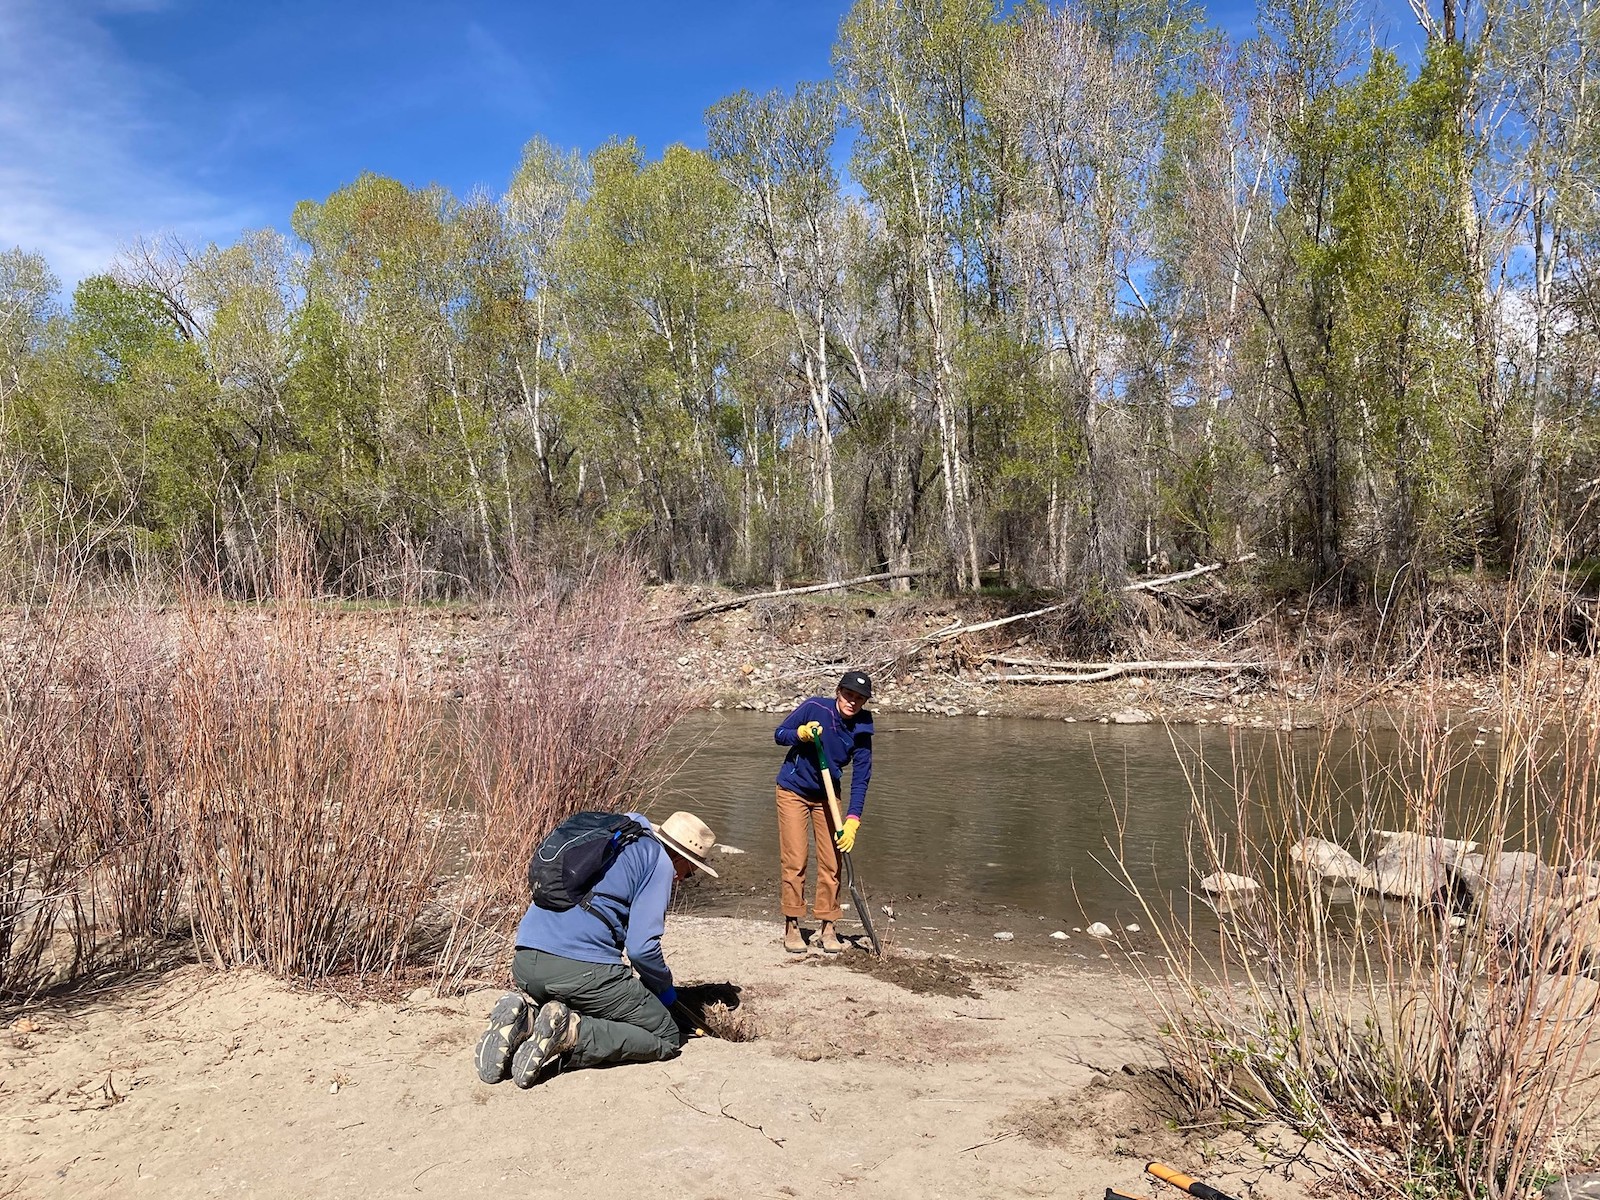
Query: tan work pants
795	814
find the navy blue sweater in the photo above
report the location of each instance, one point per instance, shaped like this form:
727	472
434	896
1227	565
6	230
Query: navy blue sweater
633	893
847	742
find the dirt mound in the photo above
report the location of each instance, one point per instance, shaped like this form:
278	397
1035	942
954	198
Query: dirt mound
936	975
1130	1113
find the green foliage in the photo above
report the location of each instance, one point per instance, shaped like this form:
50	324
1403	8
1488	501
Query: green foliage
1104	290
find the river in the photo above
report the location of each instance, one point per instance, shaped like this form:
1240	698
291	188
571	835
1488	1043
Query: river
989	812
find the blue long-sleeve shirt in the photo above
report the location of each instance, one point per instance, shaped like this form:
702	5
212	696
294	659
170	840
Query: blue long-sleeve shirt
633	893
849	744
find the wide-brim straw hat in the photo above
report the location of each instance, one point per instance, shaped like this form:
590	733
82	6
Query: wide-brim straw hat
686	834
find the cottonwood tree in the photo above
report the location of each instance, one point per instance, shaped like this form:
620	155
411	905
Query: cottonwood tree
655	312
27	302
910	70
1078	109
1542	64
777	150
548	184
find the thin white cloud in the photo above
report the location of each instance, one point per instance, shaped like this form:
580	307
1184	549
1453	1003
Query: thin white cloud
500	77
86	164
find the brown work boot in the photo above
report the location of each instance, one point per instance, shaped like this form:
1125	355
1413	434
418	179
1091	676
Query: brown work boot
793	941
829	939
555	1032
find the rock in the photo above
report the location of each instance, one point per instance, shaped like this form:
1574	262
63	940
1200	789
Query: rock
1563	997
1414	866
1099	930
421	996
1514	890
1059	936
1574	1187
1130	716
1328	860
1131	927
721	849
1576	922
1225	883
1004	937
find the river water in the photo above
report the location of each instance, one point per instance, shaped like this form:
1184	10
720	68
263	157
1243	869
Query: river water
1023	813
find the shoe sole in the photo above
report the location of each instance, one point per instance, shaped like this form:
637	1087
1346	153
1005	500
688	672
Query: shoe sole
500	1041
549	1027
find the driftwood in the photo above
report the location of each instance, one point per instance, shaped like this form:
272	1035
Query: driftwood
1138	585
1143	585
740	601
1094	672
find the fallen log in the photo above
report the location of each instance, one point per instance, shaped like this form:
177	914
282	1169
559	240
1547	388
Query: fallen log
1138	585
1141	585
692	614
1101	671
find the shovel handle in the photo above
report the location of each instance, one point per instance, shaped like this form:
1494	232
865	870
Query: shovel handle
827	786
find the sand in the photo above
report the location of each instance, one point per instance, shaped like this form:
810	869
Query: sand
193	1083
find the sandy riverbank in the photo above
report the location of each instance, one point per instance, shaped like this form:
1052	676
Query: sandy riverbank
196	1084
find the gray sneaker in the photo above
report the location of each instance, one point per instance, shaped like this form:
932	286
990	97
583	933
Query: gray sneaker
508	1029
555	1031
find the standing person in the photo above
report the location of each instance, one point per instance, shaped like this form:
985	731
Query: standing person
592	1009
845	728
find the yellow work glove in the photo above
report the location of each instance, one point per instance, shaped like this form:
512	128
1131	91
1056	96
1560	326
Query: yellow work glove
808	732
845	839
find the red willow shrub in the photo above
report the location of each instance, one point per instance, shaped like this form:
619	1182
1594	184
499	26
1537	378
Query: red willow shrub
88	864
309	845
566	717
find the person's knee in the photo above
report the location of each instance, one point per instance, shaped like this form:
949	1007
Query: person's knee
665	1027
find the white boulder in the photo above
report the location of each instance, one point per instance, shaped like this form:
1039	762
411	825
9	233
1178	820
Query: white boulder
1226	883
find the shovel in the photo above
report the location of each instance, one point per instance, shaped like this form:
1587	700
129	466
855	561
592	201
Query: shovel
862	909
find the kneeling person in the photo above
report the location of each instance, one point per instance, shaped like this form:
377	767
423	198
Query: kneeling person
592	1008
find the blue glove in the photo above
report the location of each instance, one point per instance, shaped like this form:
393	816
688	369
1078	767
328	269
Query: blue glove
669	997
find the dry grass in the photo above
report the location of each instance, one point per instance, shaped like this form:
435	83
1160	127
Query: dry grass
1435	1043
729	1024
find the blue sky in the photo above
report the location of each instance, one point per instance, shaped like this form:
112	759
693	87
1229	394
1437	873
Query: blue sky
205	118
121	118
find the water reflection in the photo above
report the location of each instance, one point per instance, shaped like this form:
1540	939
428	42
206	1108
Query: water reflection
1021	812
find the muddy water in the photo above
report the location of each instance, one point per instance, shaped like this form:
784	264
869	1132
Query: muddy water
982	813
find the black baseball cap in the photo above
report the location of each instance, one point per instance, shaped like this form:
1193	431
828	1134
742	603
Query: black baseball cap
856	681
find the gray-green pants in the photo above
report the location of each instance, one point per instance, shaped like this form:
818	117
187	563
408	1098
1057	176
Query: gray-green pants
622	1021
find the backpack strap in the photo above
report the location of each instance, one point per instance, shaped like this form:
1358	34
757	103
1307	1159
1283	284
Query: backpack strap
623	838
619	933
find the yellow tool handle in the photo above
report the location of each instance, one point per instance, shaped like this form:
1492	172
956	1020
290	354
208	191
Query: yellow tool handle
833	800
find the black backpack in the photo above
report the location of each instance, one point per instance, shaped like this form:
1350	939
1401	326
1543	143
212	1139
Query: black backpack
575	855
